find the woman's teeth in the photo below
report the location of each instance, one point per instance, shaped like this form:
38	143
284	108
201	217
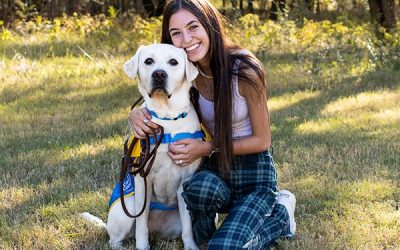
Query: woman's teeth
194	46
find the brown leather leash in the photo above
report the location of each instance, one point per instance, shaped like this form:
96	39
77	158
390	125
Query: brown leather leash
138	166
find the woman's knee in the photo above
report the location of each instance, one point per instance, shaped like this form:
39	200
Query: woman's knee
205	192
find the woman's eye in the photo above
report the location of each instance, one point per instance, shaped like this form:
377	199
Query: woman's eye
193	27
149	61
173	62
175	33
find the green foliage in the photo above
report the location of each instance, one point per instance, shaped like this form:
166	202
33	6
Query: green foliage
112	12
25	11
5	34
334	98
313	41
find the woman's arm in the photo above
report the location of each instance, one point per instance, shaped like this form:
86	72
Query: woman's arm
256	98
189	150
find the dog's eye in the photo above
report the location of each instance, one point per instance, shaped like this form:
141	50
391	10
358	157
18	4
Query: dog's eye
149	61
173	62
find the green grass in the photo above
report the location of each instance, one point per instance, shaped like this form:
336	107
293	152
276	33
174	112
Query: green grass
63	116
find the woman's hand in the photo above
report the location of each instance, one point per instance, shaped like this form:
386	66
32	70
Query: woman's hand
184	152
140	121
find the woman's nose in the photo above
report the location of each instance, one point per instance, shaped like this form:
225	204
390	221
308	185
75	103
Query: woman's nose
187	37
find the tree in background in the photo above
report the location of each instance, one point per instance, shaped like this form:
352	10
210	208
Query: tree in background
277	7
383	13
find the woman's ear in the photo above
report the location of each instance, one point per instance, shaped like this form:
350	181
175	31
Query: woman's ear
131	67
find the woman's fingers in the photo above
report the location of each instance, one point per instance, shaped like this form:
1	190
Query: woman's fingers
141	124
179	159
147	119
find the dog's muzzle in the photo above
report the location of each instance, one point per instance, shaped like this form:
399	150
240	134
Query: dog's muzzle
159	80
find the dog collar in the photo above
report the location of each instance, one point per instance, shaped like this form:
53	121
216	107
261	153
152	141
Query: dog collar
181	115
168	138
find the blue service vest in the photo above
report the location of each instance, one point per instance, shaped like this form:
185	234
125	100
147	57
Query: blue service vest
129	190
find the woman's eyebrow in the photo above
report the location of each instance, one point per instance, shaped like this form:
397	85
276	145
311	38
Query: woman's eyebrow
188	24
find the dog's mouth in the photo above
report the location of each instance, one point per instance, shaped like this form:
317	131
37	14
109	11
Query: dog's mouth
159	91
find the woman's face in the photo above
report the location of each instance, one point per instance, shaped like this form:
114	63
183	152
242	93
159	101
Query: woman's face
187	32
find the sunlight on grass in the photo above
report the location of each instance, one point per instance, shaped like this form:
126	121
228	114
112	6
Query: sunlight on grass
95	202
93	149
291	99
40	237
371	112
319	126
65	217
367	101
362	213
12	197
307	182
389	116
117	115
366	191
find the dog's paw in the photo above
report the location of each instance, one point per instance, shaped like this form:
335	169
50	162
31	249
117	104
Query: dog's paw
190	246
116	245
146	248
194	247
142	246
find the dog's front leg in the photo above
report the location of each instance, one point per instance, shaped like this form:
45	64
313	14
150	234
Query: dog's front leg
186	220
142	230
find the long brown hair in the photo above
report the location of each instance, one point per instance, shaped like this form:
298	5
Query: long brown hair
223	54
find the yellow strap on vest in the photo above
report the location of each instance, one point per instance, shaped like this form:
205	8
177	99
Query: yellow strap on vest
208	136
136	149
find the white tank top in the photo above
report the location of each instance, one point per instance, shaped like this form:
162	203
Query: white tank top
241	125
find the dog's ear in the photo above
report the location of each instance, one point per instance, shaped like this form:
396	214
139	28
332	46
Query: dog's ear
191	70
131	67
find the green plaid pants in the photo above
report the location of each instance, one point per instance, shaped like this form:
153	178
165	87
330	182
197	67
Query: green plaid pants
248	195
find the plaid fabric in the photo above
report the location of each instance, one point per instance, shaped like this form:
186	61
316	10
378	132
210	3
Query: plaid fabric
254	221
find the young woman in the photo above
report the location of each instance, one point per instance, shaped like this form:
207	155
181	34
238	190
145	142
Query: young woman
237	175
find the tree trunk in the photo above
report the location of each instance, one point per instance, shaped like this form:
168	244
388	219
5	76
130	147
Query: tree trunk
383	13
3	10
318	9
263	4
51	10
277	7
310	5
139	7
250	6
160	8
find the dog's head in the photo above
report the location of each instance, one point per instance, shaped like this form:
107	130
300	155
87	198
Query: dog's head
163	71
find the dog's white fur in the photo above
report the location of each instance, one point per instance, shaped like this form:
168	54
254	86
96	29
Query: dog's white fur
164	183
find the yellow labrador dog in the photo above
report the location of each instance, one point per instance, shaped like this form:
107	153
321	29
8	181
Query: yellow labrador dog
165	78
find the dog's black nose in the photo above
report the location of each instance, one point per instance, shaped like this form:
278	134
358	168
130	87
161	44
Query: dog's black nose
159	75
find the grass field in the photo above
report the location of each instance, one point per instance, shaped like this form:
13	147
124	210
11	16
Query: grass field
64	102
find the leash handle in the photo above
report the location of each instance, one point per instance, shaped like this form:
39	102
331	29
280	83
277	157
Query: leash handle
141	169
123	173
